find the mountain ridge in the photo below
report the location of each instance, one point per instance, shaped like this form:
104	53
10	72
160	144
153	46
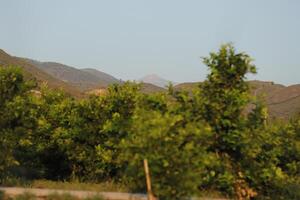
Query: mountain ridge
282	101
32	72
156	80
84	79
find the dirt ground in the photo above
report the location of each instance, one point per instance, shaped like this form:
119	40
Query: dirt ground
42	193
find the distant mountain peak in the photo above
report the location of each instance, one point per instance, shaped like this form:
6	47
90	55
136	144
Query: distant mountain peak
155	80
3	52
153	75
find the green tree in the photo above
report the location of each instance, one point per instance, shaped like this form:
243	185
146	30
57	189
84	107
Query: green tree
95	128
224	96
175	145
57	114
16	113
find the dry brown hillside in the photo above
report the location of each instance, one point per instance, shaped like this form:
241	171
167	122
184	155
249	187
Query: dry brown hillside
83	79
31	72
283	102
150	88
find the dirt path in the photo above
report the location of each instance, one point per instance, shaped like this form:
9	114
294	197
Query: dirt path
42	193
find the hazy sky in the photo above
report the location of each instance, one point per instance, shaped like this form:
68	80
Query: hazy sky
132	38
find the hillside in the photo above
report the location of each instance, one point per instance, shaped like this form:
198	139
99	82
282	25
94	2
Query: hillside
77	82
32	72
150	88
188	86
84	80
104	77
146	88
155	80
282	101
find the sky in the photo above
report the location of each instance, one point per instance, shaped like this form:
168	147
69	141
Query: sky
132	38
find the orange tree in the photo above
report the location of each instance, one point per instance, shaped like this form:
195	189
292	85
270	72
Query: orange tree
165	131
224	96
17	114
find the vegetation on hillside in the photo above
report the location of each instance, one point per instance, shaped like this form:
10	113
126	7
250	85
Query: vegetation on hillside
31	72
194	143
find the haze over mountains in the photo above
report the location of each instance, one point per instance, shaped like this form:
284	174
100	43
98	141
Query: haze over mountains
74	81
32	72
84	79
281	101
156	80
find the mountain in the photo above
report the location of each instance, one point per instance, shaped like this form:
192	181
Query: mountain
155	80
146	88
32	72
282	101
149	88
188	86
104	77
76	82
84	80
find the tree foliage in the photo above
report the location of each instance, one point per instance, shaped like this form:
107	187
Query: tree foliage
17	114
174	145
204	140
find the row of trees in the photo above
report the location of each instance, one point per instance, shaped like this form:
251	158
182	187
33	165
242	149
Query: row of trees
200	141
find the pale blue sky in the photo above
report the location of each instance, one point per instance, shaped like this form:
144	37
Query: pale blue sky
132	38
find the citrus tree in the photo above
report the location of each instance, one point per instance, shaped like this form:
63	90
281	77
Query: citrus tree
17	116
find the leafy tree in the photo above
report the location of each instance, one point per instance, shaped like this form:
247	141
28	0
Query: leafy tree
174	145
16	113
54	132
95	128
267	161
224	96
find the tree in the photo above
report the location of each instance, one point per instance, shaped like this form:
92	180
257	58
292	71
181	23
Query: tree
224	95
95	129
16	113
175	146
